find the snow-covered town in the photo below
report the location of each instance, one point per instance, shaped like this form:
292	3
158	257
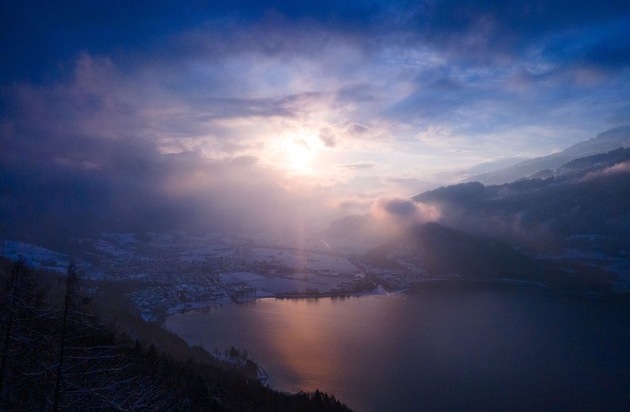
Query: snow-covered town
168	273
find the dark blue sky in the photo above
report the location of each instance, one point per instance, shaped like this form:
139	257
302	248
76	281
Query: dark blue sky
38	36
329	104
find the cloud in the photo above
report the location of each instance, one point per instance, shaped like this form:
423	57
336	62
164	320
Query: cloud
97	155
327	137
178	111
484	28
412	185
387	219
400	213
400	208
358	165
430	64
356	129
623	167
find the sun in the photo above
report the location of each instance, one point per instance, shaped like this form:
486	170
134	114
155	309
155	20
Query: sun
298	152
299	155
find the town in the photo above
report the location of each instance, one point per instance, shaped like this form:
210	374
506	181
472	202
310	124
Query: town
165	274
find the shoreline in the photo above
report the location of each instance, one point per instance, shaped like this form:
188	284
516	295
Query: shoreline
612	297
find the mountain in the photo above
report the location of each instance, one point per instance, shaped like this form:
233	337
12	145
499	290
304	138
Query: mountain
604	142
586	195
446	253
59	354
443	251
567	227
580	212
569	231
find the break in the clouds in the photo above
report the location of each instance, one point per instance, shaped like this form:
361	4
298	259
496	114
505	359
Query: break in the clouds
255	111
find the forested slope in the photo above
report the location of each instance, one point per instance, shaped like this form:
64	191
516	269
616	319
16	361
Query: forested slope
56	355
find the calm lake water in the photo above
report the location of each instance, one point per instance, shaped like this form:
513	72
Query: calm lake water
443	348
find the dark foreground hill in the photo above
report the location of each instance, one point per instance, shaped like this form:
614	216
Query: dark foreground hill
56	355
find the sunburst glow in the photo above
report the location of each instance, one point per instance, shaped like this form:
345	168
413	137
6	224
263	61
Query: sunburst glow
298	152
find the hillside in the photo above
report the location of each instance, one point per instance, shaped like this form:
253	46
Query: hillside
60	356
444	253
585	196
579	214
568	228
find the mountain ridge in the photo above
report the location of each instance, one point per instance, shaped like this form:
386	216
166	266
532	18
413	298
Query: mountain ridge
611	139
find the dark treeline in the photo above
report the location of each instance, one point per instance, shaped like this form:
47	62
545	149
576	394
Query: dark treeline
56	355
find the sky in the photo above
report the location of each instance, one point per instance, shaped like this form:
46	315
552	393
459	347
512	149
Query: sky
259	113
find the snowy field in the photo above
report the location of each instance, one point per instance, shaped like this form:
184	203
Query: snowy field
119	245
200	253
238	277
300	283
300	259
35	256
285	285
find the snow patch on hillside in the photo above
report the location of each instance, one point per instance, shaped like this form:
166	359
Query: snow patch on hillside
35	256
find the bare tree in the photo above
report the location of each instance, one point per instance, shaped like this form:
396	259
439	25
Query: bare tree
25	339
93	369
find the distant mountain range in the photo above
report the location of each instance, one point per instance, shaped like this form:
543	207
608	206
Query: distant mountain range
589	196
569	231
567	226
604	142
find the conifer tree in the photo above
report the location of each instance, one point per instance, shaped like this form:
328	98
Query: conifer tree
25	339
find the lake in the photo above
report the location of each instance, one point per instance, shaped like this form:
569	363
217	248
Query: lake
452	347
